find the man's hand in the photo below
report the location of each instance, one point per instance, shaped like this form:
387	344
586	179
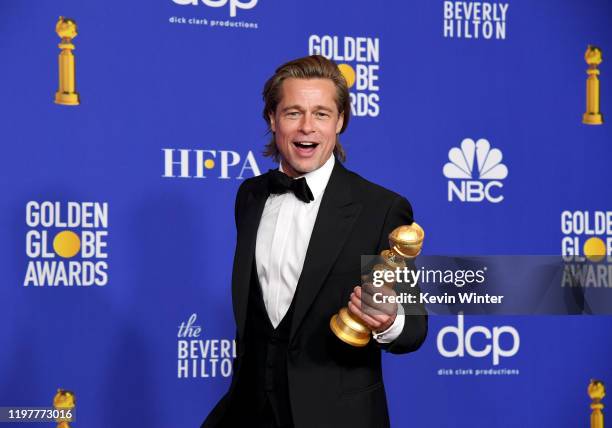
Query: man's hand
377	316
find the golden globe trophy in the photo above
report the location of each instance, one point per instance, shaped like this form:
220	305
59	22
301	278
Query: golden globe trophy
66	28
592	116
64	401
406	243
596	392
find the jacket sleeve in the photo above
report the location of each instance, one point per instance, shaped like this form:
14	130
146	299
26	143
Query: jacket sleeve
415	325
239	203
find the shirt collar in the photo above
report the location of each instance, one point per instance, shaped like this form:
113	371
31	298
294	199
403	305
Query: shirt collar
317	180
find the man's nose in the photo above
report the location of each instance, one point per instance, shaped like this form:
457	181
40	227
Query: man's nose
307	125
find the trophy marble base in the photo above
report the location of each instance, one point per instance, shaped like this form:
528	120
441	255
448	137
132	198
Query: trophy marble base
349	330
67	98
592	119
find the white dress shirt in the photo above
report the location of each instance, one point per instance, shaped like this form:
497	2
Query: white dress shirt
282	240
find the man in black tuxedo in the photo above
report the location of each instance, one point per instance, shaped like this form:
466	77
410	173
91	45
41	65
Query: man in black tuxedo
297	262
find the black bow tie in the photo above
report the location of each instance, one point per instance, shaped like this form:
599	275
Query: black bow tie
280	182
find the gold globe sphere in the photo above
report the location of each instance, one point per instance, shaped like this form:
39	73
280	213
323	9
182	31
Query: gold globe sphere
66	28
593	56
64	399
596	390
407	240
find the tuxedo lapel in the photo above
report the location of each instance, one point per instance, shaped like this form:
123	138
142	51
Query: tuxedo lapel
245	249
334	222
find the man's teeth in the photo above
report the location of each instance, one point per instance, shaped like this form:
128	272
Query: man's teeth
305	144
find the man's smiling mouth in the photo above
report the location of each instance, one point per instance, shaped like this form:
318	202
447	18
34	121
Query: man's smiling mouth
305	144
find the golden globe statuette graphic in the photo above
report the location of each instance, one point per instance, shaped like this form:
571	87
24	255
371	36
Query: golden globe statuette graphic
406	243
596	392
64	400
593	58
66	28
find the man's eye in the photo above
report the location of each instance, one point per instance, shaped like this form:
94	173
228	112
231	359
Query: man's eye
293	114
322	115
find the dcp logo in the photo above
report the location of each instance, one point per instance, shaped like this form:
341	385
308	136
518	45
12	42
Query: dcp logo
234	5
464	341
461	167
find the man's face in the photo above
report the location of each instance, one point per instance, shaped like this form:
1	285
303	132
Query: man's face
305	124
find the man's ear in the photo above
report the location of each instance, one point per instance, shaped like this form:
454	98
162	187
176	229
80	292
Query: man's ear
272	122
340	122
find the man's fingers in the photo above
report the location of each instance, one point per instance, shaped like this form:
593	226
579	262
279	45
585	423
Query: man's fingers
363	306
373	301
365	318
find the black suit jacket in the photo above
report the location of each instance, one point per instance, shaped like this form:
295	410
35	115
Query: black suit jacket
331	384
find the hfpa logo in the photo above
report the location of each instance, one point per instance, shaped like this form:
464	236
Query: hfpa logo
475	157
223	164
491	339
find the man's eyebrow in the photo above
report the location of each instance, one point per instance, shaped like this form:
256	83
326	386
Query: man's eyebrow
300	108
292	107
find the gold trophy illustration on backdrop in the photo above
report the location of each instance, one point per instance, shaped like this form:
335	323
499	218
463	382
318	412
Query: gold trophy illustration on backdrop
405	243
66	28
597	392
593	58
64	401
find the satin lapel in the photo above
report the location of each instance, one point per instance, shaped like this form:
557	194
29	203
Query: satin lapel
245	250
335	220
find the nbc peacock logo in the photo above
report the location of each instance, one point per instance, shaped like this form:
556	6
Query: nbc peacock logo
475	172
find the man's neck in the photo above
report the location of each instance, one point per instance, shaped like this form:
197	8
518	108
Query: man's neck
317	180
288	169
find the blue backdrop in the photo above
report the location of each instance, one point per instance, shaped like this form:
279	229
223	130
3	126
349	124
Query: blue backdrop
169	126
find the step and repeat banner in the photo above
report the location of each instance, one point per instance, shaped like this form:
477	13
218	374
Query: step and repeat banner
117	215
